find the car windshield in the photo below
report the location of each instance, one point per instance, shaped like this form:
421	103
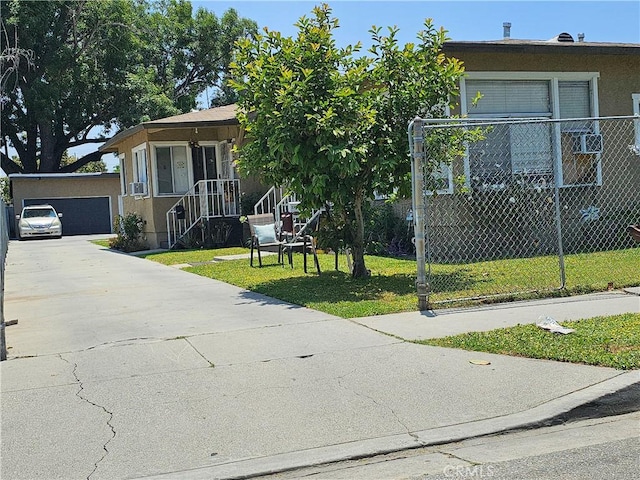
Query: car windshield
38	212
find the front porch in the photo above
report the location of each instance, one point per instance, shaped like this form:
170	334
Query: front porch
208	214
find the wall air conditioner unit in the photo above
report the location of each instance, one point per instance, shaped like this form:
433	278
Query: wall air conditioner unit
587	143
138	188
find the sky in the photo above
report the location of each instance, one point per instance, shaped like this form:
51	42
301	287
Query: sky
598	20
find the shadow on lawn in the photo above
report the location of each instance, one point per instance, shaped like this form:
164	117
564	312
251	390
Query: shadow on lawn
337	286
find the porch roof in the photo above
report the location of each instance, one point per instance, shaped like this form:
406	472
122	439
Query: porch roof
212	117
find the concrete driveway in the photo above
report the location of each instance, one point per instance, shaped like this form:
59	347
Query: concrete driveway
120	368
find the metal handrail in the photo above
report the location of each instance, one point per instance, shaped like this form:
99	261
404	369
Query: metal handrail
205	200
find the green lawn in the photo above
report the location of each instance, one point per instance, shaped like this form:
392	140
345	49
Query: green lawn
391	288
612	341
175	257
103	243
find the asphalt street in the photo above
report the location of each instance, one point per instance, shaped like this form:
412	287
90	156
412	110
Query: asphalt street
606	447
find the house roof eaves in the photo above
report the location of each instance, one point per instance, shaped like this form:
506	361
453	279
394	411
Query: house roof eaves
538	46
212	117
108	146
38	176
191	124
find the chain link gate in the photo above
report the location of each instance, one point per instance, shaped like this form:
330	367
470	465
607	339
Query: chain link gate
541	194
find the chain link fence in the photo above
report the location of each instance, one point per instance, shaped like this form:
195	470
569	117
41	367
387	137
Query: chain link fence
508	207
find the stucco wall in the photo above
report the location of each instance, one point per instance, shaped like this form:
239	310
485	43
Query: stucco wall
619	78
619	74
66	186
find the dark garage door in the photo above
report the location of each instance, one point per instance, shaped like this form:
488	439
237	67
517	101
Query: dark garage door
81	216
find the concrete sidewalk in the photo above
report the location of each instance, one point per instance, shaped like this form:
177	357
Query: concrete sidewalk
446	322
124	368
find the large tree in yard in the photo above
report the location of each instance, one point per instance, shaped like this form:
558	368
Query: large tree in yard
100	66
331	123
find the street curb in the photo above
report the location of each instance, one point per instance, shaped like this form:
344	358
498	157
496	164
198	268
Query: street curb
259	466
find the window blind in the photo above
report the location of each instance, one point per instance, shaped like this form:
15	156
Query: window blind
509	97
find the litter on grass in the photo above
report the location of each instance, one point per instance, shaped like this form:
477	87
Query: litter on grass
548	323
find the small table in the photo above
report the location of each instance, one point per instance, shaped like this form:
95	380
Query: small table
308	245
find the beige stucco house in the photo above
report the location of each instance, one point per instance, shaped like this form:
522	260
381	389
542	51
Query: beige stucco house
178	174
590	161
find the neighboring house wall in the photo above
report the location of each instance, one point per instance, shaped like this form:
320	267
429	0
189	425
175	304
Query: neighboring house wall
544	81
71	190
619	73
552	81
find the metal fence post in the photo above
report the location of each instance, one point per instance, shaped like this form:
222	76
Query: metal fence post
419	220
4	241
556	188
557	176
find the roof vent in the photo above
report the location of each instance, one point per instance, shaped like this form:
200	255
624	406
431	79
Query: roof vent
506	28
563	37
581	37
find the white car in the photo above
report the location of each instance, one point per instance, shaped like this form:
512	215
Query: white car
39	221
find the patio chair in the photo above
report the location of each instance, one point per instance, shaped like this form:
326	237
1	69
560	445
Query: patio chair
264	234
307	245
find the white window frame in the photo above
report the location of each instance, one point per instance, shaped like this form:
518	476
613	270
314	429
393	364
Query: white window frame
154	166
123	176
141	175
553	78
224	156
445	170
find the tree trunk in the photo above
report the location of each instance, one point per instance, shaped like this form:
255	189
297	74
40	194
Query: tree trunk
359	267
48	161
8	165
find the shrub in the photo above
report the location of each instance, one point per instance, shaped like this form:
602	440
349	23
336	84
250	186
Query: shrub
129	233
386	234
248	201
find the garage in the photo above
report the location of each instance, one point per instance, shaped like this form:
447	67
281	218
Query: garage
89	202
80	216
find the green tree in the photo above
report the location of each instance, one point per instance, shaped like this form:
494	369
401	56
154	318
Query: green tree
5	192
331	123
102	66
94	167
189	52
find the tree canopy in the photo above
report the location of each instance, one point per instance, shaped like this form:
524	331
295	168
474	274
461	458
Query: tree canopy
331	123
96	67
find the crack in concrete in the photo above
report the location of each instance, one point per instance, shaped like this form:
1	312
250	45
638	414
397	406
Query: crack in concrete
186	339
393	412
110	414
457	457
